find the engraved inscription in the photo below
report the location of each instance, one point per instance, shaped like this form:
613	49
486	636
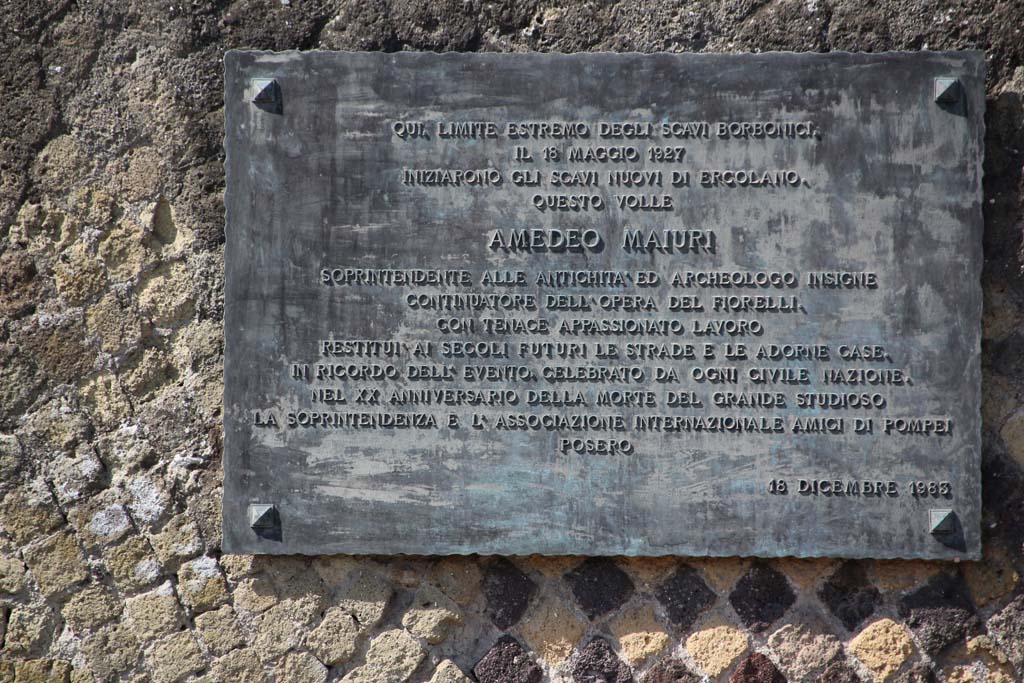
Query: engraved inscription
606	320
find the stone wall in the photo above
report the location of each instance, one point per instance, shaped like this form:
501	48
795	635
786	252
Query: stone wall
111	280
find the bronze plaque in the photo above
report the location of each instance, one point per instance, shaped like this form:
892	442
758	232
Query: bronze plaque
603	304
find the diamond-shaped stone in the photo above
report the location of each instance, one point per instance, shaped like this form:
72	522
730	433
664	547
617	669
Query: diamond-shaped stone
940	613
507	662
839	672
849	595
684	595
598	663
599	586
761	596
757	669
670	670
1007	628
507	592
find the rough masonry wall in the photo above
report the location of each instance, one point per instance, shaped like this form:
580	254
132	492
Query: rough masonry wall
111	280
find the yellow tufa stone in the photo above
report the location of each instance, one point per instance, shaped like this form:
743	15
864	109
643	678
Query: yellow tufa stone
961	674
91	608
166	296
998	401
448	672
219	630
366	599
201	585
1000	315
806	573
992	577
458	577
431	616
110	651
12	575
276	632
148	370
301	667
101	520
238	666
29	512
132	564
105	401
82	676
804	649
197	344
117	324
721	573
154	614
717	648
41	671
649	572
979	653
335	639
94	206
28	629
175	657
549	566
44	228
166	234
238	567
179	539
1012	434
255	594
900	575
883	647
552	629
639	633
55	563
124	251
392	658
80	277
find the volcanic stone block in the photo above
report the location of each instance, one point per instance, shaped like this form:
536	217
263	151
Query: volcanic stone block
507	591
941	612
599	586
849	595
761	596
757	669
598	663
507	662
684	595
670	670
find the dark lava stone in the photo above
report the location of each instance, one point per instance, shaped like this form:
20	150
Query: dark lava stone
507	662
757	669
599	586
940	612
849	595
670	670
684	596
839	672
761	596
507	592
598	663
1007	627
919	673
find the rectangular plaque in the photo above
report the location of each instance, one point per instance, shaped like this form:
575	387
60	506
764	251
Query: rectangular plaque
603	304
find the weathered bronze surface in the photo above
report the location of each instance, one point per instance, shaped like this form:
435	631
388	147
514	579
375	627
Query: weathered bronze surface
603	304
